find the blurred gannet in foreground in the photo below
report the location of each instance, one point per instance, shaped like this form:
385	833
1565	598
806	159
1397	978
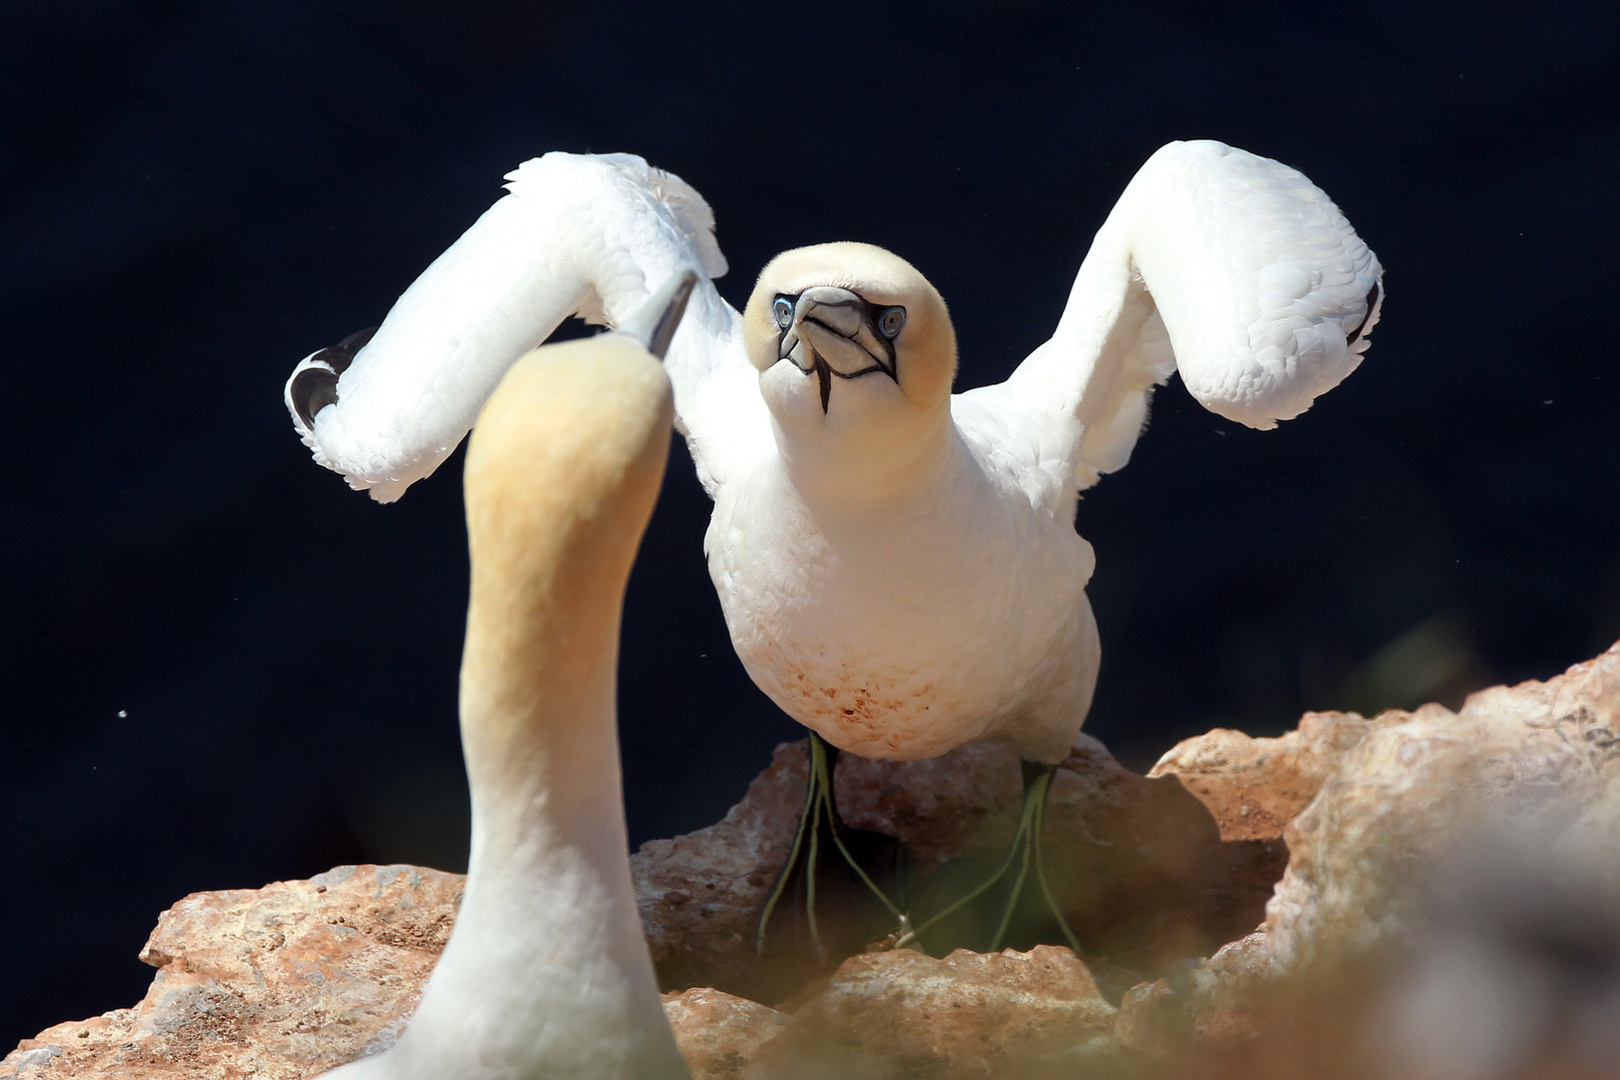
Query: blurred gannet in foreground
546	972
898	566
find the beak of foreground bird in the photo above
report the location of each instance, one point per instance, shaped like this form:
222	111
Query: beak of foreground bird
654	323
828	331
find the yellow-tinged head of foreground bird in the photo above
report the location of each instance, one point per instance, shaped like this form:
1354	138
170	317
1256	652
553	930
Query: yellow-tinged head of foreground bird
546	972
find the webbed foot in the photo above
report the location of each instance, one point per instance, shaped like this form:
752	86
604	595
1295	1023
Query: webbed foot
988	906
840	888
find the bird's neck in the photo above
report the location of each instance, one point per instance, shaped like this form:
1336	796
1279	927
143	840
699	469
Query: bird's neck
871	463
538	723
547	963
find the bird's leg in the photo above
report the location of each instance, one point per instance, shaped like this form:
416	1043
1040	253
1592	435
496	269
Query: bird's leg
829	888
1019	882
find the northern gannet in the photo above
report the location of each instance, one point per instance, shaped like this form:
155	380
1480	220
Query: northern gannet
546	972
898	565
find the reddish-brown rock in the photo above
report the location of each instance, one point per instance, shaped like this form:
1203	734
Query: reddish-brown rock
1255	787
299	976
1450	901
718	1033
283	982
1145	874
1413	791
697	893
278	983
287	981
969	1015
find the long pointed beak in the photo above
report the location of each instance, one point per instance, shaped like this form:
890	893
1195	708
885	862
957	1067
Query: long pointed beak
837	324
653	324
833	335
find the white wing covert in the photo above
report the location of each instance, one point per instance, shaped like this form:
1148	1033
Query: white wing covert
1235	270
582	234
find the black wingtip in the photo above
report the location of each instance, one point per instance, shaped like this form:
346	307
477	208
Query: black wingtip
344	350
313	389
1372	305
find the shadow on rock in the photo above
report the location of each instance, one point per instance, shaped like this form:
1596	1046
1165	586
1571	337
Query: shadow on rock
1139	864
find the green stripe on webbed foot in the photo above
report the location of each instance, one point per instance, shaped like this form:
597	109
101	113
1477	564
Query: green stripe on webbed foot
840	888
988	905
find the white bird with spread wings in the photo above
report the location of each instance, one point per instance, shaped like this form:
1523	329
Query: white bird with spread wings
898	565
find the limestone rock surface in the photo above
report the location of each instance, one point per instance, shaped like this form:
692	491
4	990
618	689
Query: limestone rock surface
1417	786
968	1015
1145	873
1448	877
718	1033
290	980
276	983
1401	903
1255	787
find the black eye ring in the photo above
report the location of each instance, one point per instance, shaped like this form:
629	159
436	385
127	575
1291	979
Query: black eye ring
782	310
890	321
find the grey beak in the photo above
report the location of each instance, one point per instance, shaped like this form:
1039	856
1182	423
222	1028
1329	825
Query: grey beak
654	323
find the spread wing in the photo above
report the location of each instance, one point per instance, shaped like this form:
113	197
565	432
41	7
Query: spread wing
576	234
1233	269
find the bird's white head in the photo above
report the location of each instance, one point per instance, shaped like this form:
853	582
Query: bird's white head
856	355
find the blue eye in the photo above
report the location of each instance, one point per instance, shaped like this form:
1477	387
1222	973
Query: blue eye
783	310
890	322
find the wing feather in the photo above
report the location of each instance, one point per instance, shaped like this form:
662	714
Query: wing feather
1235	270
576	234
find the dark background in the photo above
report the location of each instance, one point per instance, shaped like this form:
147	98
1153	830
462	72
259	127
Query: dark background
220	667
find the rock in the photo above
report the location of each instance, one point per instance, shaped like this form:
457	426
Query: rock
718	1034
299	976
1419	785
1220	992
697	893
1145	873
279	982
290	980
1151	1018
1451	867
1515	959
1398	879
969	1015
1201	1003
1255	787
1509	969
1147	877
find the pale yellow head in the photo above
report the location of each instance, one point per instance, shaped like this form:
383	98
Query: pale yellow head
865	312
856	354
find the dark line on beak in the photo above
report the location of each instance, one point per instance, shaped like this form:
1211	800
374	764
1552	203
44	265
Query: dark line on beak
824	373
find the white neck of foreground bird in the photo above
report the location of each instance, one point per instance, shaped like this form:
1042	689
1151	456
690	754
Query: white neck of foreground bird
842	459
547	973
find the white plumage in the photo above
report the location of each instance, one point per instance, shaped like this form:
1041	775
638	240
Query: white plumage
898	573
581	234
